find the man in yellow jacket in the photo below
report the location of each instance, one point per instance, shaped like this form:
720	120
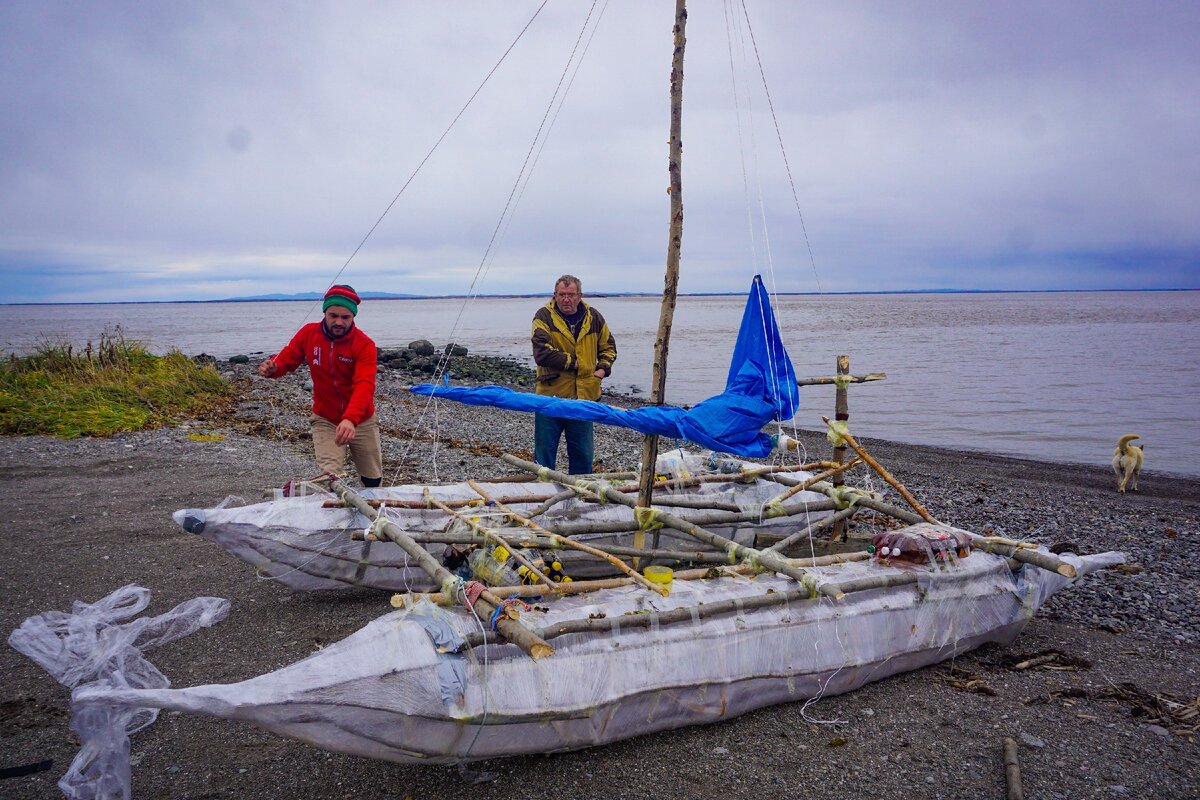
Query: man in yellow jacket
574	351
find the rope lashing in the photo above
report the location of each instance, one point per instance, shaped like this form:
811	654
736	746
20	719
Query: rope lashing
782	443
647	518
543	474
732	548
453	586
501	610
772	508
838	430
750	558
471	592
596	489
842	381
847	496
371	532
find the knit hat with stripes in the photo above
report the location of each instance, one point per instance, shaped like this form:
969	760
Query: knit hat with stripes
342	295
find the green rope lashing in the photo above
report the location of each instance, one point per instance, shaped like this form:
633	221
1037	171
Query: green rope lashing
846	496
647	518
838	430
842	381
452	586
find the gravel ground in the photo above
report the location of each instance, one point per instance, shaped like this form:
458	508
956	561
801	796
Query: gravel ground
83	517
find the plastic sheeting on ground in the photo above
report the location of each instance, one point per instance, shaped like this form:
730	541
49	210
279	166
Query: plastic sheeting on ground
90	648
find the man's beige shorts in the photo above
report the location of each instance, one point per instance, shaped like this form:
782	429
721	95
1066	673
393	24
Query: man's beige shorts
364	450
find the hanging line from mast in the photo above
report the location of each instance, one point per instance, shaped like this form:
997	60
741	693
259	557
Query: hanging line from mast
782	149
532	156
445	133
801	454
430	152
735	40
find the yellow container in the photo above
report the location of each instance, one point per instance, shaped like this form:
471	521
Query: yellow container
660	575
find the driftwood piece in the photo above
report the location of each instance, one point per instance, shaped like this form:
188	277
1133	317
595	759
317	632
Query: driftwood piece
400	600
662	340
483	607
766	559
703	610
556	541
494	535
870	376
883	473
1012	770
560	541
1038	558
841	409
804	532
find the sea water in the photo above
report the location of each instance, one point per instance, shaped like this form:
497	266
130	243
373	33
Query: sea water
1051	376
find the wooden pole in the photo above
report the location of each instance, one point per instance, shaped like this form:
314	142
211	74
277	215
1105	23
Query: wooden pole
766	559
1012	770
561	541
658	382
887	476
484	607
841	412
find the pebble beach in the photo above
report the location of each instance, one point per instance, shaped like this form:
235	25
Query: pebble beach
83	517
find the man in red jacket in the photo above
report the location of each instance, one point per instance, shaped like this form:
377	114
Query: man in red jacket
342	362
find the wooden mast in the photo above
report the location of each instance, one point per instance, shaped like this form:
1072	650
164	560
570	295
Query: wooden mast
671	282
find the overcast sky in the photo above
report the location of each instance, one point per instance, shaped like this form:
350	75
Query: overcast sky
162	151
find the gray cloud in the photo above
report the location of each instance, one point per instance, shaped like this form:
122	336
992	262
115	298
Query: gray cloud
167	151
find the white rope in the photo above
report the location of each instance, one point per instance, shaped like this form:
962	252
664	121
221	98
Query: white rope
524	175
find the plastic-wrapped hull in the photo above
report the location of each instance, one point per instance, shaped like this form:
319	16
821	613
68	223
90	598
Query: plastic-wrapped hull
308	548
386	692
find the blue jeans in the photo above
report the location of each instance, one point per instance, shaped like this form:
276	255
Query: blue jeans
581	448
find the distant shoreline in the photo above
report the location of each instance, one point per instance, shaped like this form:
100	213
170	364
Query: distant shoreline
375	297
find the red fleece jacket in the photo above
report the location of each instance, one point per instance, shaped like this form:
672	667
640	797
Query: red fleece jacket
343	371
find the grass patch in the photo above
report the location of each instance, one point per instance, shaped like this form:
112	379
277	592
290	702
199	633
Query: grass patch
98	391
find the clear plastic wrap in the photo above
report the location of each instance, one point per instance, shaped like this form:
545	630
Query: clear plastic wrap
299	542
401	688
92	647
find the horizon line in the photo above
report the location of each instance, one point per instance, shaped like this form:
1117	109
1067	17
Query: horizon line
388	296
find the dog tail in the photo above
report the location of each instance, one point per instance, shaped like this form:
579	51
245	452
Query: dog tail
1126	439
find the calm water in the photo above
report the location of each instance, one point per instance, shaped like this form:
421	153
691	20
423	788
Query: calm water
1055	377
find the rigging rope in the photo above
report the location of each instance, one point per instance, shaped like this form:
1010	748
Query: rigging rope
532	155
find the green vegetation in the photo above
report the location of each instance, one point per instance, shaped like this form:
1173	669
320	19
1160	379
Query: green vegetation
98	391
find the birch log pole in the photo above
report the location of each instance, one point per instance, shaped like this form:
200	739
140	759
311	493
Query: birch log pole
764	559
484	607
662	341
841	412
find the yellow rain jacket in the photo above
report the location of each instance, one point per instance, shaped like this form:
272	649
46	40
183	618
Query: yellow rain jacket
565	363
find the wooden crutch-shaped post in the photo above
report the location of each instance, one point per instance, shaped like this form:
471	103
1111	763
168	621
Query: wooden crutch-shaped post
841	413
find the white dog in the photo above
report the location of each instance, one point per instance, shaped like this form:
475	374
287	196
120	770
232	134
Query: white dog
1127	462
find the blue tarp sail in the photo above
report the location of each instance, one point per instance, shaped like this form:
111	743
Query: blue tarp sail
761	387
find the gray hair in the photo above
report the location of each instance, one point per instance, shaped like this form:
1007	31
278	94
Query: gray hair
569	279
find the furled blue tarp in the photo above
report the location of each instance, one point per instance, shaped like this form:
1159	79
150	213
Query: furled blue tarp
761	387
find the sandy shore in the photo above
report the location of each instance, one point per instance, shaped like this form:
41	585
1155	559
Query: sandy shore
82	518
